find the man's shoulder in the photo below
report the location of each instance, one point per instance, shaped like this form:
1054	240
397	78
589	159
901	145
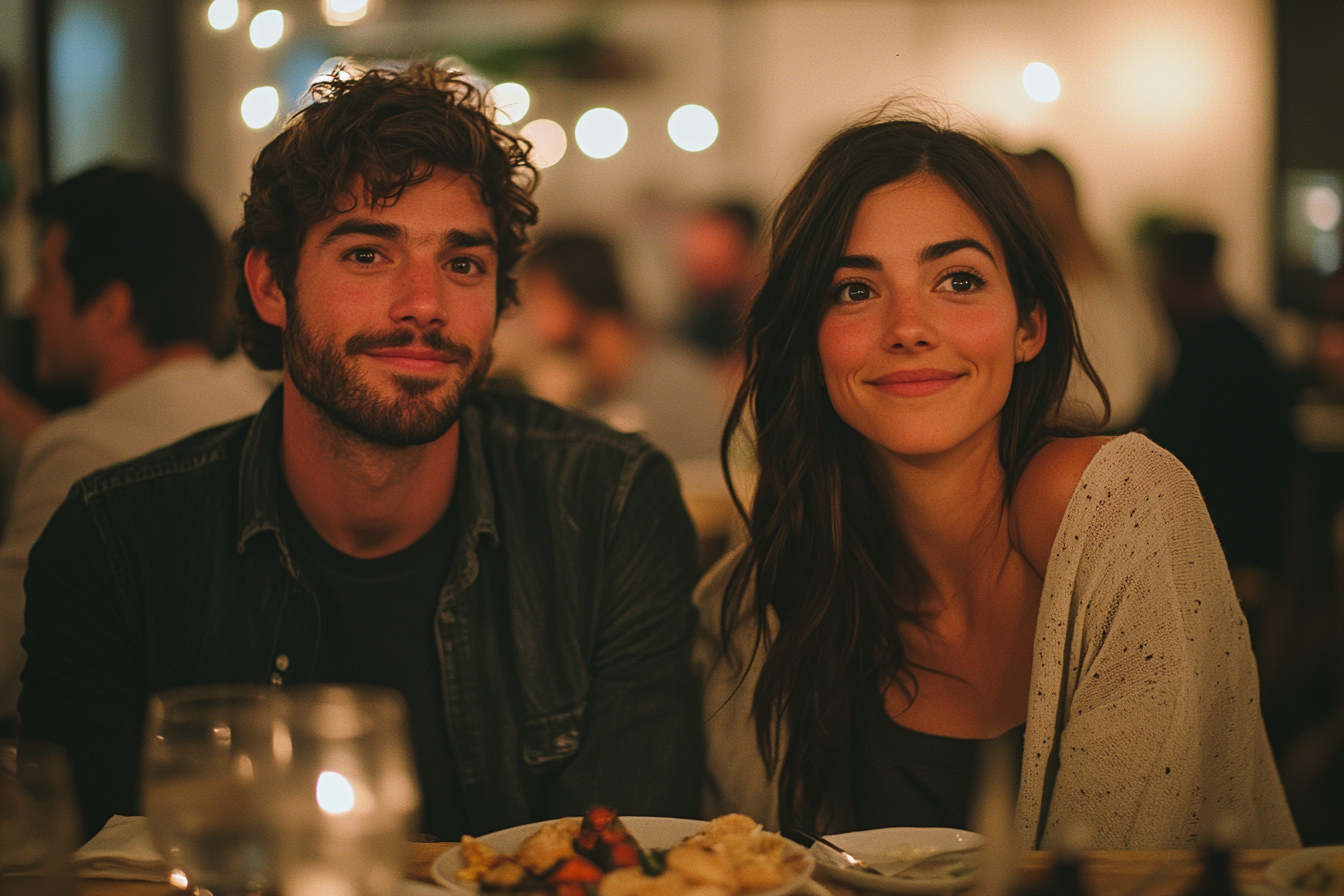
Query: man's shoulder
218	448
509	419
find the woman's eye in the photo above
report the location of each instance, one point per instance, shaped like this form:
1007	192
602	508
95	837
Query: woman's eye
961	281
853	292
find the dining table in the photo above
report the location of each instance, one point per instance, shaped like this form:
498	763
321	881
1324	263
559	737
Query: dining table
1105	872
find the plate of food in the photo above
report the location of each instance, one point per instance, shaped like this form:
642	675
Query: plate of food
891	850
626	856
1318	869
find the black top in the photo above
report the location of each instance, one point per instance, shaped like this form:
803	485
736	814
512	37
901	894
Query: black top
378	628
906	778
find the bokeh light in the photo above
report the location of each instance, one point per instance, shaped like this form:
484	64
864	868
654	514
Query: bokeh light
1041	82
548	142
693	128
344	12
1322	207
222	14
335	796
601	133
267	28
511	102
260	107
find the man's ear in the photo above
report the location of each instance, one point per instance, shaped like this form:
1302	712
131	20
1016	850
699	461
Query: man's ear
112	309
1031	334
266	295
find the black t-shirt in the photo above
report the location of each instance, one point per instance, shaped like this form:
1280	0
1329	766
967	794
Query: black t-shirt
378	628
906	778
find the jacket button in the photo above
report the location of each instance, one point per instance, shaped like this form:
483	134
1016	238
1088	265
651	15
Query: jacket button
277	679
282	663
567	741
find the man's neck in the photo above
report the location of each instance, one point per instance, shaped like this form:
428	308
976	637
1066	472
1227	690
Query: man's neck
365	500
120	367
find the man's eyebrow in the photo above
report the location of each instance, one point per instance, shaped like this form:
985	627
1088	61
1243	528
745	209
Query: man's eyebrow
453	239
939	250
364	227
469	239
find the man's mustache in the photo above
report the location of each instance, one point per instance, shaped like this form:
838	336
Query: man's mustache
400	338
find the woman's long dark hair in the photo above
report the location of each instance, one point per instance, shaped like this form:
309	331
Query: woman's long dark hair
824	552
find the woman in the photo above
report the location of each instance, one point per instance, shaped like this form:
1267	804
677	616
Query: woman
934	561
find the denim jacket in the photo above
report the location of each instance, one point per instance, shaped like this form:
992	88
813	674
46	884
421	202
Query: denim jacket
564	627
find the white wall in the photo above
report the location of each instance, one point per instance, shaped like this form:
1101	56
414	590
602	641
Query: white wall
1165	104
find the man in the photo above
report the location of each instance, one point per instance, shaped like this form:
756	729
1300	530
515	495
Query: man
125	308
521	575
578	309
1227	413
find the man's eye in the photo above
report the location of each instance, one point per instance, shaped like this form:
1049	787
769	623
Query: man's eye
462	266
364	256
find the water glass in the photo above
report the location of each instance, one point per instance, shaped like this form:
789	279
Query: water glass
300	791
208	763
350	801
39	825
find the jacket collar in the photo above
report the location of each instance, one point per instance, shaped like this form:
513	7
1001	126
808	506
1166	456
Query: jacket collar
261	478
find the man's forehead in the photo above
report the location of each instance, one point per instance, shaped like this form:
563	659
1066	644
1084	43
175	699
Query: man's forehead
454	197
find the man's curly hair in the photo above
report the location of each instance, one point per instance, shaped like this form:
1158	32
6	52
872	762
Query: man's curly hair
388	130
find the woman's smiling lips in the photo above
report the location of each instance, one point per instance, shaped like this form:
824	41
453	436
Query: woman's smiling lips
915	383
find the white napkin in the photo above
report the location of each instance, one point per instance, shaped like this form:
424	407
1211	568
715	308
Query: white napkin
122	850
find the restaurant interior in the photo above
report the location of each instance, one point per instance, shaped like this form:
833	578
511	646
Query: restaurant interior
1225	116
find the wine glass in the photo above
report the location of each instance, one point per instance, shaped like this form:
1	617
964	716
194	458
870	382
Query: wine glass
208	761
349	803
39	827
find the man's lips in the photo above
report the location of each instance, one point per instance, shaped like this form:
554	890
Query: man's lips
914	383
412	357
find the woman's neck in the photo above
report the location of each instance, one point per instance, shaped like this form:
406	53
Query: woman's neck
950	513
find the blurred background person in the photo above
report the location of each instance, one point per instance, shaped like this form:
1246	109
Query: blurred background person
126	306
615	368
1127	340
716	249
1227	412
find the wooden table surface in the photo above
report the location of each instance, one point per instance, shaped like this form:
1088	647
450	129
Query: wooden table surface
1105	873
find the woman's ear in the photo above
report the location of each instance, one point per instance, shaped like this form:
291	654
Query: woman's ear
1031	334
267	297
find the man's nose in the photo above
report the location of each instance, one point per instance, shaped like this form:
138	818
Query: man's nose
421	295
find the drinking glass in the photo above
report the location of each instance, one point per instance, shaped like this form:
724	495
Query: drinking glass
350	801
39	827
208	764
309	790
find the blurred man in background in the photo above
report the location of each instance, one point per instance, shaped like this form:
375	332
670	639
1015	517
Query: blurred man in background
630	377
126	307
1226	414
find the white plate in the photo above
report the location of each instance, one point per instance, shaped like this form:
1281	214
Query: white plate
1284	870
651	832
887	846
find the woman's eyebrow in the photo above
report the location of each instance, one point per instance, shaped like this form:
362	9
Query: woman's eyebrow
939	250
862	262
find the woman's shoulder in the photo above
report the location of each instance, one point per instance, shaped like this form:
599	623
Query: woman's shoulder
1051	479
1043	493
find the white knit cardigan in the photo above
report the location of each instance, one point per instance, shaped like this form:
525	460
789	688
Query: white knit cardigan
1143	726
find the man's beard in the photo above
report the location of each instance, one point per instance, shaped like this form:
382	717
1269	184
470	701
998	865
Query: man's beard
326	375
